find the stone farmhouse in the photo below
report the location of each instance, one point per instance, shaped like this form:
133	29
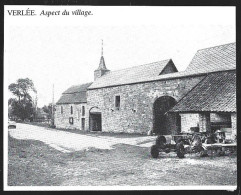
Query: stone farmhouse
71	108
156	97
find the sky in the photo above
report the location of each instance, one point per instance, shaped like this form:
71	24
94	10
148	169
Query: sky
64	50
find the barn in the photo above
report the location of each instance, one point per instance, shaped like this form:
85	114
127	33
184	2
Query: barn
154	96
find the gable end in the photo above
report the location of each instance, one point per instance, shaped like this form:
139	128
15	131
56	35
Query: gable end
169	68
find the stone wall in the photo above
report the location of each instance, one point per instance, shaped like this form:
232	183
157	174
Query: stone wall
192	120
188	121
62	119
136	103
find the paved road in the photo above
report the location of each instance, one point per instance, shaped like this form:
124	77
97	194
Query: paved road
69	142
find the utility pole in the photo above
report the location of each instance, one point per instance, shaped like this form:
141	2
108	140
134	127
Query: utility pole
53	107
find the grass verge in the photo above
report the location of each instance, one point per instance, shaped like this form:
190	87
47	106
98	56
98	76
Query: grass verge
33	163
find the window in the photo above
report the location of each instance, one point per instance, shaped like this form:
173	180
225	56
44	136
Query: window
117	101
71	109
61	109
71	120
83	110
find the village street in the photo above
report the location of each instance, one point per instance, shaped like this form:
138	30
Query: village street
70	142
40	156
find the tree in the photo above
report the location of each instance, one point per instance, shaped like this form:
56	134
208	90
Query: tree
22	88
22	106
48	110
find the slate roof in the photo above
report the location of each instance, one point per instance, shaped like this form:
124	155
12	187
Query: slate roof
131	75
74	94
215	93
212	59
102	64
78	88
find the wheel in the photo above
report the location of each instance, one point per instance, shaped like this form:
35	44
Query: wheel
154	151
203	153
167	150
180	150
219	152
161	142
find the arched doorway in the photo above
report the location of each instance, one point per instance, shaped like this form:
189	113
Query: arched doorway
95	119
165	123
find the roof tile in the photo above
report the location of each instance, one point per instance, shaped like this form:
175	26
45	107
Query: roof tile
75	94
215	93
212	59
131	75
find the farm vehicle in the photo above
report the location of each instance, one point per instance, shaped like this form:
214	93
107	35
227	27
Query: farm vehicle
201	143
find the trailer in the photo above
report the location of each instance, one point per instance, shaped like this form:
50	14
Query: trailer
202	144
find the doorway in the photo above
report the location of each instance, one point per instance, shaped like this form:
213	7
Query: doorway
95	122
83	124
165	123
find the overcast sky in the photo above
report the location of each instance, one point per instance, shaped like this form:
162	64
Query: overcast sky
65	50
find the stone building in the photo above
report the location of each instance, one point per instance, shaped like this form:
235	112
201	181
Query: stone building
137	99
71	108
211	104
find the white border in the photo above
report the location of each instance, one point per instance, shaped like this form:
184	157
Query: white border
116	188
71	188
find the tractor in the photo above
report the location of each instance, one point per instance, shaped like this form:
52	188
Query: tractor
201	143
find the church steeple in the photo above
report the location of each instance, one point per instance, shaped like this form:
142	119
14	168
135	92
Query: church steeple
102	64
102	68
102	47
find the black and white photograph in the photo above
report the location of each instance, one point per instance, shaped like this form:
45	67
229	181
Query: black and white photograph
119	98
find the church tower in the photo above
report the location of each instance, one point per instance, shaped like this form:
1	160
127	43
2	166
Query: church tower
102	68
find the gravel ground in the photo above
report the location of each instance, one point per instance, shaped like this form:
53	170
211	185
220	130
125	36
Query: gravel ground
34	163
69	142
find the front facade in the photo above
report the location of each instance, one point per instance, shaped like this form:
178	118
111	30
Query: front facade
136	111
70	116
137	99
71	108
